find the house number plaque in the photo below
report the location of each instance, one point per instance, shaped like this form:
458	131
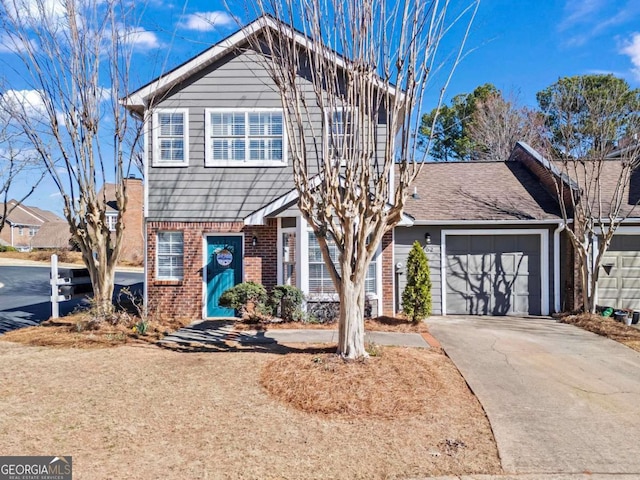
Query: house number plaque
224	257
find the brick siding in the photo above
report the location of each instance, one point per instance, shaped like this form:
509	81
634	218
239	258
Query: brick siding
133	235
184	299
387	274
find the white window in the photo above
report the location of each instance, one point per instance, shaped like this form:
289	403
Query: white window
112	219
320	283
340	131
171	137
245	138
20	230
33	231
170	253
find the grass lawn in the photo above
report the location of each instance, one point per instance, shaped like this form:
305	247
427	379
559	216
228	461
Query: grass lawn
139	412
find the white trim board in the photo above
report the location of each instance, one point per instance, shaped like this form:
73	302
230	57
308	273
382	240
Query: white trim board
544	259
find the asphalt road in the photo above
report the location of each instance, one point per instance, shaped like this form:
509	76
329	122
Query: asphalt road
25	295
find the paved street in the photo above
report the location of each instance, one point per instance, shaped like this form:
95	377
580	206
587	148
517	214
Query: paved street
25	295
560	400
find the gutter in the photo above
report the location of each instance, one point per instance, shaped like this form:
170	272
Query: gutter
556	266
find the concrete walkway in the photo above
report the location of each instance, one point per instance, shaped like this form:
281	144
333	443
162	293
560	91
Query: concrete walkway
562	402
208	332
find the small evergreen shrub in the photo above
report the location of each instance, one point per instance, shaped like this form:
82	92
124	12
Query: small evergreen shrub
416	297
286	303
7	248
247	298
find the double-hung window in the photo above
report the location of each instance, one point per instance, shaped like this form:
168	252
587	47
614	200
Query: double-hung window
112	219
340	131
245	138
171	137
170	254
320	283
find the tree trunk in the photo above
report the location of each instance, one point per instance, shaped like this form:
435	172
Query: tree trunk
351	331
103	286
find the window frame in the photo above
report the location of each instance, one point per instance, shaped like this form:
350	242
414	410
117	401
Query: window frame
328	125
111	224
157	161
209	161
333	296
157	252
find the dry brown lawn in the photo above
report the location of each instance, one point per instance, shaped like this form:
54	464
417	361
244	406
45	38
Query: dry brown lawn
607	327
140	412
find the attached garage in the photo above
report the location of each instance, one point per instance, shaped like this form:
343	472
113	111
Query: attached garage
619	282
497	272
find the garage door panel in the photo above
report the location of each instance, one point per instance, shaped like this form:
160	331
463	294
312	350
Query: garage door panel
608	283
481	243
631	262
500	274
478	263
457	264
632	283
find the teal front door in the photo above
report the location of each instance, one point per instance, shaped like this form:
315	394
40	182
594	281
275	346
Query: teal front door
224	270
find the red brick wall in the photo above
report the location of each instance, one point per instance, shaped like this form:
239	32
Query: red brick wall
133	236
387	274
184	299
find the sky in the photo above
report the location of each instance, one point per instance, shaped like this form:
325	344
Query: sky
521	46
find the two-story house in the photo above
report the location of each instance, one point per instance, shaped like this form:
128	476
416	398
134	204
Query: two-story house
219	192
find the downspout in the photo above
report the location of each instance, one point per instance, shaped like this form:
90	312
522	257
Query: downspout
556	266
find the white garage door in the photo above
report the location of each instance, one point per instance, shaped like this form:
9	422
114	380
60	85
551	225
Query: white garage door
619	282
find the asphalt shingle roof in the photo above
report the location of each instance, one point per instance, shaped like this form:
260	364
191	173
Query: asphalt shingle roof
479	191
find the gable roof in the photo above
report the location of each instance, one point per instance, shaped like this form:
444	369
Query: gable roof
52	235
479	191
27	216
138	99
608	177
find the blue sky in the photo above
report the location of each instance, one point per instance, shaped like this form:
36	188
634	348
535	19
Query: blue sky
521	46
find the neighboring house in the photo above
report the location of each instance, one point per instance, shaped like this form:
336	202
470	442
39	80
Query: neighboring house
133	219
23	223
221	207
52	236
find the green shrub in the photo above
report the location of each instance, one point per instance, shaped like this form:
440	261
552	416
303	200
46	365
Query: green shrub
247	298
286	303
7	248
416	298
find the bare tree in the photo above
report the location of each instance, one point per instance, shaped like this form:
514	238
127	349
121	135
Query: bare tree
75	57
498	123
352	79
15	160
589	119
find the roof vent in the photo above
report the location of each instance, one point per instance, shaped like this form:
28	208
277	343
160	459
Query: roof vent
415	193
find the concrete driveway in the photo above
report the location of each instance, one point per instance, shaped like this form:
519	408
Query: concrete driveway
560	400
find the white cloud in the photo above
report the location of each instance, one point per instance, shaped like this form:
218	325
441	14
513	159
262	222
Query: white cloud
29	12
207	21
140	38
631	48
25	102
12	44
578	11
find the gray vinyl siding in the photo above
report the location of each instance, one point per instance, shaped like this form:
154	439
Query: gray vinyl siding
405	236
199	192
